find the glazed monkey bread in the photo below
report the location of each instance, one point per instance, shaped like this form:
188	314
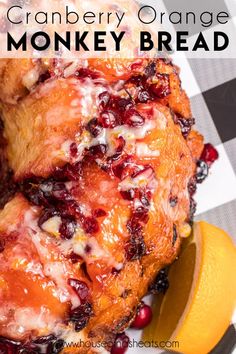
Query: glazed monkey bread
103	161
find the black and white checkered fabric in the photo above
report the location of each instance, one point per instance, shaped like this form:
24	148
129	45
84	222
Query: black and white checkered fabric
211	86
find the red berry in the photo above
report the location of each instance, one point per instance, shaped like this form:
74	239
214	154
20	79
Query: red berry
90	225
73	149
143	317
209	154
133	118
121	344
108	119
98	213
80	288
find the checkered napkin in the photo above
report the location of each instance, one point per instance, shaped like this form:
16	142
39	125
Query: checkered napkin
211	86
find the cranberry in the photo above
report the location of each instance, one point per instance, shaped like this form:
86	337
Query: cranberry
94	128
202	171
47	214
70	208
161	88
87	249
133	118
98	213
192	186
121	344
147	173
161	283
73	150
143	96
137	80
75	258
134	226
135	248
141	215
173	200
8	346
108	119
34	193
98	151
115	271
209	154
48	344
80	288
104	99
123	104
119	149
150	69
67	228
125	167
84	73
90	225
44	77
59	192
72	172
128	195
145	197
185	125
143	317
80	316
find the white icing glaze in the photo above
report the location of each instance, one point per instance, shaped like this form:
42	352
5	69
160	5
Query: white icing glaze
31	77
52	225
57	271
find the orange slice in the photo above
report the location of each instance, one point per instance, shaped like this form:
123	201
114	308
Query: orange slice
198	306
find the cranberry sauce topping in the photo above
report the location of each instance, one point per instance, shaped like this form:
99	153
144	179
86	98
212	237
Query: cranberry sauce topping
161	283
81	314
121	344
149	86
58	201
115	110
143	316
